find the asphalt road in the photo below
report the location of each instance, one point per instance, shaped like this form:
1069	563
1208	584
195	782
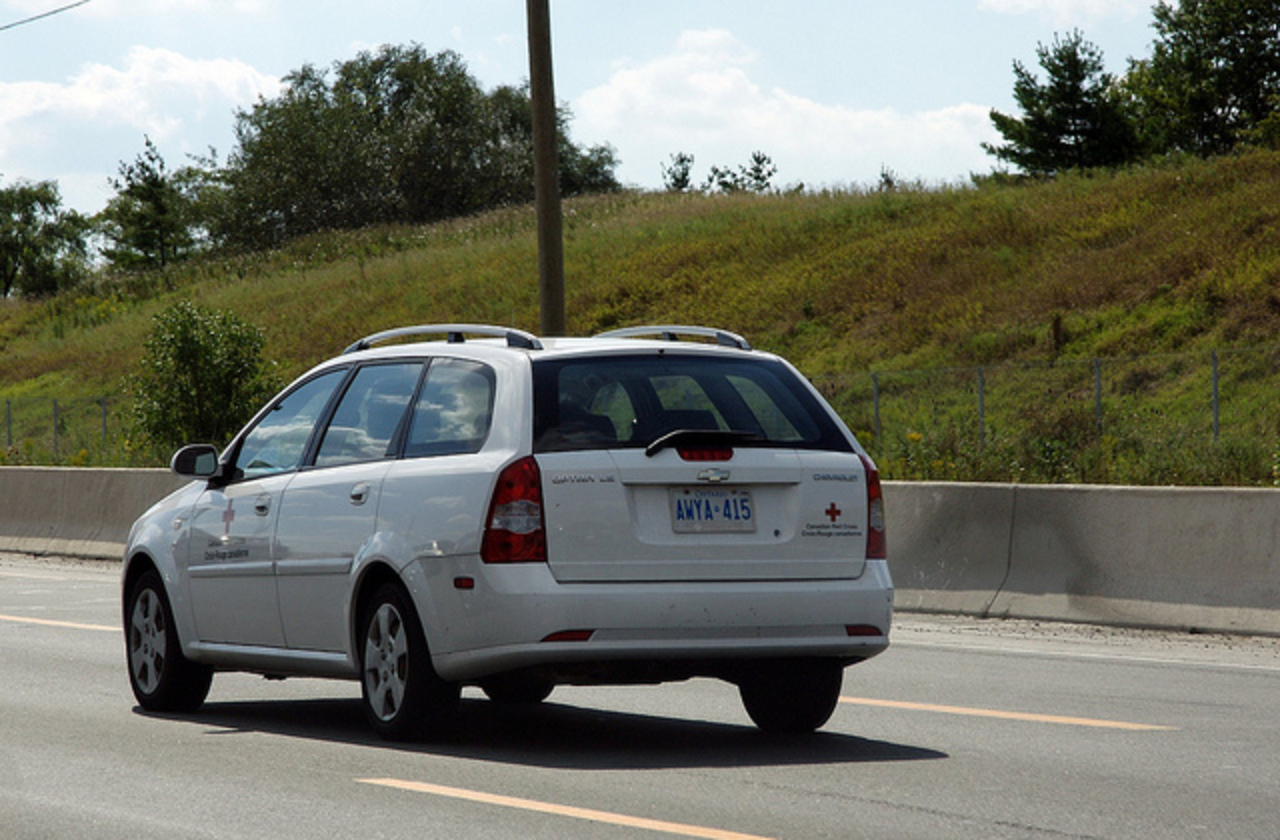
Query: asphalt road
962	729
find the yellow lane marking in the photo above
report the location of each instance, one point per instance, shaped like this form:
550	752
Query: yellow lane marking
44	622
994	713
561	810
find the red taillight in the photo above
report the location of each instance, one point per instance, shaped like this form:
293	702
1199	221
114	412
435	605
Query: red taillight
705	453
875	512
514	531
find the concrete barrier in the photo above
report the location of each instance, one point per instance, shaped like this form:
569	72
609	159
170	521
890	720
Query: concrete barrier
1150	557
75	512
1181	557
1186	558
948	544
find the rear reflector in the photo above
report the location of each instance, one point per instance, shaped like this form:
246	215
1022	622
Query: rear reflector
569	636
863	630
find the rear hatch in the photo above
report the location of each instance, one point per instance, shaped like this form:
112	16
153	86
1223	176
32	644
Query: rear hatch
718	466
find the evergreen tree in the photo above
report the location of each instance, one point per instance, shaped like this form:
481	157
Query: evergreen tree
1074	120
148	221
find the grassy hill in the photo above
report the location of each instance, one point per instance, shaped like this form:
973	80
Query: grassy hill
1056	331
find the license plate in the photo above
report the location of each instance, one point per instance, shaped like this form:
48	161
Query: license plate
701	510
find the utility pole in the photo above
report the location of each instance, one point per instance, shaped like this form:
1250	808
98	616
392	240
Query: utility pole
545	171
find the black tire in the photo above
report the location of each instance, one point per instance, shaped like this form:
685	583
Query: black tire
163	680
404	698
791	697
520	688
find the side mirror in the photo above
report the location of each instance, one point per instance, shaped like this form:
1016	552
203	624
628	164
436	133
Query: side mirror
199	460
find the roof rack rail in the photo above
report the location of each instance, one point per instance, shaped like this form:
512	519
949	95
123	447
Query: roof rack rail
455	335
672	332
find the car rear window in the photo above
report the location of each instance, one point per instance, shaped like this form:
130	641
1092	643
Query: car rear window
631	401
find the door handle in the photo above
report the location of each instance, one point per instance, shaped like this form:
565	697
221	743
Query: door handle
360	493
262	505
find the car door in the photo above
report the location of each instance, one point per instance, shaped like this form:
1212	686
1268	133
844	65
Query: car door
330	507
231	576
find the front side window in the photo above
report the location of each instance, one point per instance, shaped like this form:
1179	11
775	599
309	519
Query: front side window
631	401
365	423
279	440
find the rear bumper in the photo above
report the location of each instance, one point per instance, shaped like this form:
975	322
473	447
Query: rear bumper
697	628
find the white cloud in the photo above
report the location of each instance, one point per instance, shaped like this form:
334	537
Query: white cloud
1069	12
98	116
153	91
702	99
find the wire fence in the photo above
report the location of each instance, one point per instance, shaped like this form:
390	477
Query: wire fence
75	432
1193	418
1197	418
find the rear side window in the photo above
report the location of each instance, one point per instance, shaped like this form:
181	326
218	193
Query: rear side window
630	401
453	411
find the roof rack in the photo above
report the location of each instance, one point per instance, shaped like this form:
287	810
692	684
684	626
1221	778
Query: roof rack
672	332
455	335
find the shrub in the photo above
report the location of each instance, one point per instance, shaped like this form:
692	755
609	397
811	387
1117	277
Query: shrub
202	376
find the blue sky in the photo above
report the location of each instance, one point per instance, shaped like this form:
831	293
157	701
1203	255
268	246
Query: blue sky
832	90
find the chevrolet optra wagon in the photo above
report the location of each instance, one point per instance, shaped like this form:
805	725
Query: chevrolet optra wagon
498	510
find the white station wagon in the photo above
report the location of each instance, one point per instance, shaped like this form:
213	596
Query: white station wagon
498	510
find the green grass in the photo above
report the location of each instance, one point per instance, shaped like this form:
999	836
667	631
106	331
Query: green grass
1028	282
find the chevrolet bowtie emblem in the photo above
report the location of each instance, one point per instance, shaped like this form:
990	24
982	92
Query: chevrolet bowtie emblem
713	475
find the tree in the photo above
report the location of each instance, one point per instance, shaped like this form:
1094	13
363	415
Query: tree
1213	79
676	177
397	136
42	247
756	176
1075	120
201	378
149	220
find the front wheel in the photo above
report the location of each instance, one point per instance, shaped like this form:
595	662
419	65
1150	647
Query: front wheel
403	695
163	680
791	697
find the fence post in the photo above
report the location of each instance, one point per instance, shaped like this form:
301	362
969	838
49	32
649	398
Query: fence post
875	403
55	431
982	409
103	402
1097	393
1215	396
8	423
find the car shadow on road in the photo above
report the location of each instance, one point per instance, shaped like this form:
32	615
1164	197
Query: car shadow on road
554	735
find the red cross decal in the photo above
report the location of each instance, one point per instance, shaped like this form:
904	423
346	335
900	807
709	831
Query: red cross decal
833	512
228	516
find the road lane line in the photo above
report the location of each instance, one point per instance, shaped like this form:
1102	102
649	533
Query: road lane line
45	622
994	713
561	810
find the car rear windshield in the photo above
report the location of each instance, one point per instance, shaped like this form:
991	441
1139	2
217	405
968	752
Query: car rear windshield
631	401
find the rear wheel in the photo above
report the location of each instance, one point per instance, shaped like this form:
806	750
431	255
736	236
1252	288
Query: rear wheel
404	698
163	680
791	697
